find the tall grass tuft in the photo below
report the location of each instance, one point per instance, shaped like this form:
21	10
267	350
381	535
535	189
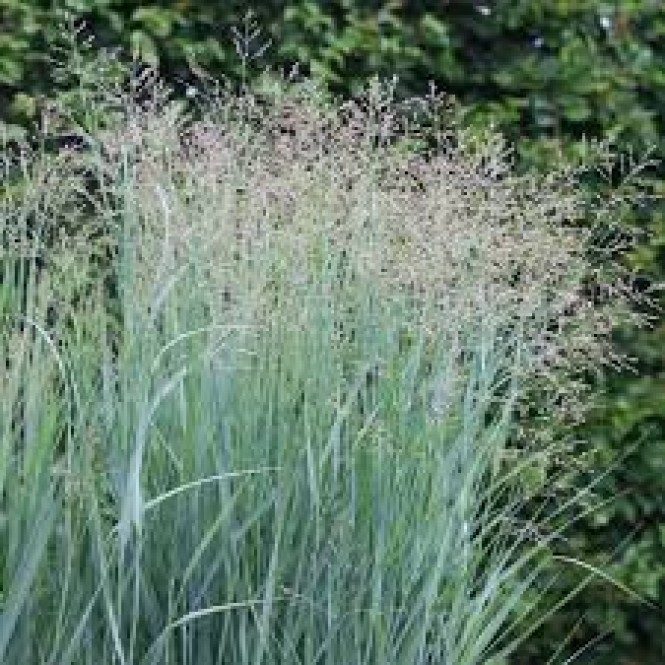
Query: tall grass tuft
264	376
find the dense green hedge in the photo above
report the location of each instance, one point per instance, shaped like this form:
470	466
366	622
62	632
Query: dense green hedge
547	73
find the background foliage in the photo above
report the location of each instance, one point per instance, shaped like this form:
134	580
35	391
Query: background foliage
546	73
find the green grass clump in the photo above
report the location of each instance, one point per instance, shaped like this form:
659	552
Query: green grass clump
262	376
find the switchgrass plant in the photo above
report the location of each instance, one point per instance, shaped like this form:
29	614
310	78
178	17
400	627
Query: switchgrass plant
263	377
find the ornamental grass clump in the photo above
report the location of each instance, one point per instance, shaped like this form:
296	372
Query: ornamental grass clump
264	373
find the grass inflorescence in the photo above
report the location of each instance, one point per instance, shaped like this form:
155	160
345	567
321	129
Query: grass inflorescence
264	369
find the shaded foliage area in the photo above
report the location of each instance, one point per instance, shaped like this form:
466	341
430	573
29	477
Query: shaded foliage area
547	74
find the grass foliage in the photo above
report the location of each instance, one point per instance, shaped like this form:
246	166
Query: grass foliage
263	369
